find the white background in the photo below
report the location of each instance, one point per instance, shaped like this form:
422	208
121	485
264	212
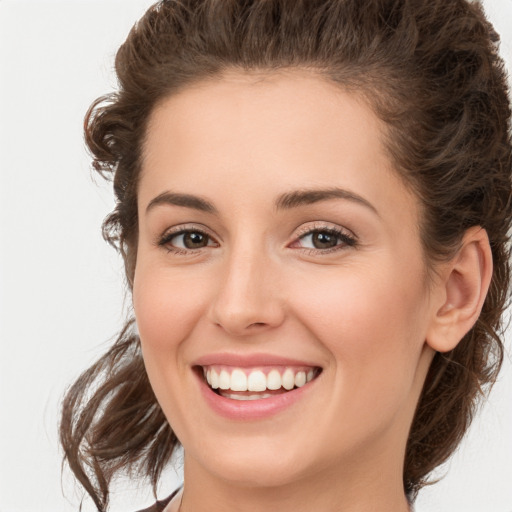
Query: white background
61	286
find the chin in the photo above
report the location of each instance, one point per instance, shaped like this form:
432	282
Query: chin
264	461
256	471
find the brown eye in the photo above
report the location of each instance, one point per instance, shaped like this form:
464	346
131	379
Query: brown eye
324	240
194	240
186	240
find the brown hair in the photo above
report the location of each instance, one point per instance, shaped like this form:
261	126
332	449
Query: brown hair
431	72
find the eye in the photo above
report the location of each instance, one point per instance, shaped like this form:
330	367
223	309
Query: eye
325	239
186	240
321	239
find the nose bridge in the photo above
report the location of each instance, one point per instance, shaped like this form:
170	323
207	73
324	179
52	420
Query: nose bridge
246	297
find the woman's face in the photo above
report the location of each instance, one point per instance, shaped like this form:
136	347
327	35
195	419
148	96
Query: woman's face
278	247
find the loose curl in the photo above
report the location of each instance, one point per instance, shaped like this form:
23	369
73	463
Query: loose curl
429	69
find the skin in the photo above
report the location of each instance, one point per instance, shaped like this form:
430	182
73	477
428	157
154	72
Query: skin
364	313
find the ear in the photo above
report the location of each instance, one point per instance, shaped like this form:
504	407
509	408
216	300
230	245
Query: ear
463	286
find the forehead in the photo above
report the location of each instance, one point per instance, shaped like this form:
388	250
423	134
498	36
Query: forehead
283	104
267	132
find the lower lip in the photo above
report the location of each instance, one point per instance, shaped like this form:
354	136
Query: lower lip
251	409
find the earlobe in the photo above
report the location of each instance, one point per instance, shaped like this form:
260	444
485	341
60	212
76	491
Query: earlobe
464	284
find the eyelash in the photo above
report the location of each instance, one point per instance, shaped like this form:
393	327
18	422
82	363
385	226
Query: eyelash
346	238
166	239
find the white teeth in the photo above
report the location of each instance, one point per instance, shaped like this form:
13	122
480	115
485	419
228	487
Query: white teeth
224	380
300	379
259	396
256	380
274	380
288	379
215	379
238	381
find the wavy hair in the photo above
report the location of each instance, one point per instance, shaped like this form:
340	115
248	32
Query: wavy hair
429	69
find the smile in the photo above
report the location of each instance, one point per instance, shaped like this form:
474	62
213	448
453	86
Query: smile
239	383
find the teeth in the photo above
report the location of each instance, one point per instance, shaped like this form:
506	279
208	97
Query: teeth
274	380
238	381
224	380
259	396
256	380
212	378
300	379
288	379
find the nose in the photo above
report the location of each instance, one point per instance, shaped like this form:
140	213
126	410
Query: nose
248	295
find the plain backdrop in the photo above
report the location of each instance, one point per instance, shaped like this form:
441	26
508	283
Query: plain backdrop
62	288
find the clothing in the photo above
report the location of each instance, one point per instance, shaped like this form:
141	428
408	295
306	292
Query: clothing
161	504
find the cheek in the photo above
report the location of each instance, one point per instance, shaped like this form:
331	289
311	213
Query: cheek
167	308
373	322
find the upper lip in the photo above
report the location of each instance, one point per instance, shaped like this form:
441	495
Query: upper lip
250	360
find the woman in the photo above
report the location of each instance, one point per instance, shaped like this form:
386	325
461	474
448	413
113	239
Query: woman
313	206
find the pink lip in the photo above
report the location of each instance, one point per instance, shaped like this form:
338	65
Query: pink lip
246	410
251	409
249	360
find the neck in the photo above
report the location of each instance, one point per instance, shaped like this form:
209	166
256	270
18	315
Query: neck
350	490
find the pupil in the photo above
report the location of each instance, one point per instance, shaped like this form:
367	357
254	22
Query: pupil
324	240
194	240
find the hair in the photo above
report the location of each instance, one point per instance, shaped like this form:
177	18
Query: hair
429	69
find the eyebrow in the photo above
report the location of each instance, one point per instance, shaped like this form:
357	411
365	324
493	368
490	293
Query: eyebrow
186	200
286	201
308	196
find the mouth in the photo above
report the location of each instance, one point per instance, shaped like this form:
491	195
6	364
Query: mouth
259	383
